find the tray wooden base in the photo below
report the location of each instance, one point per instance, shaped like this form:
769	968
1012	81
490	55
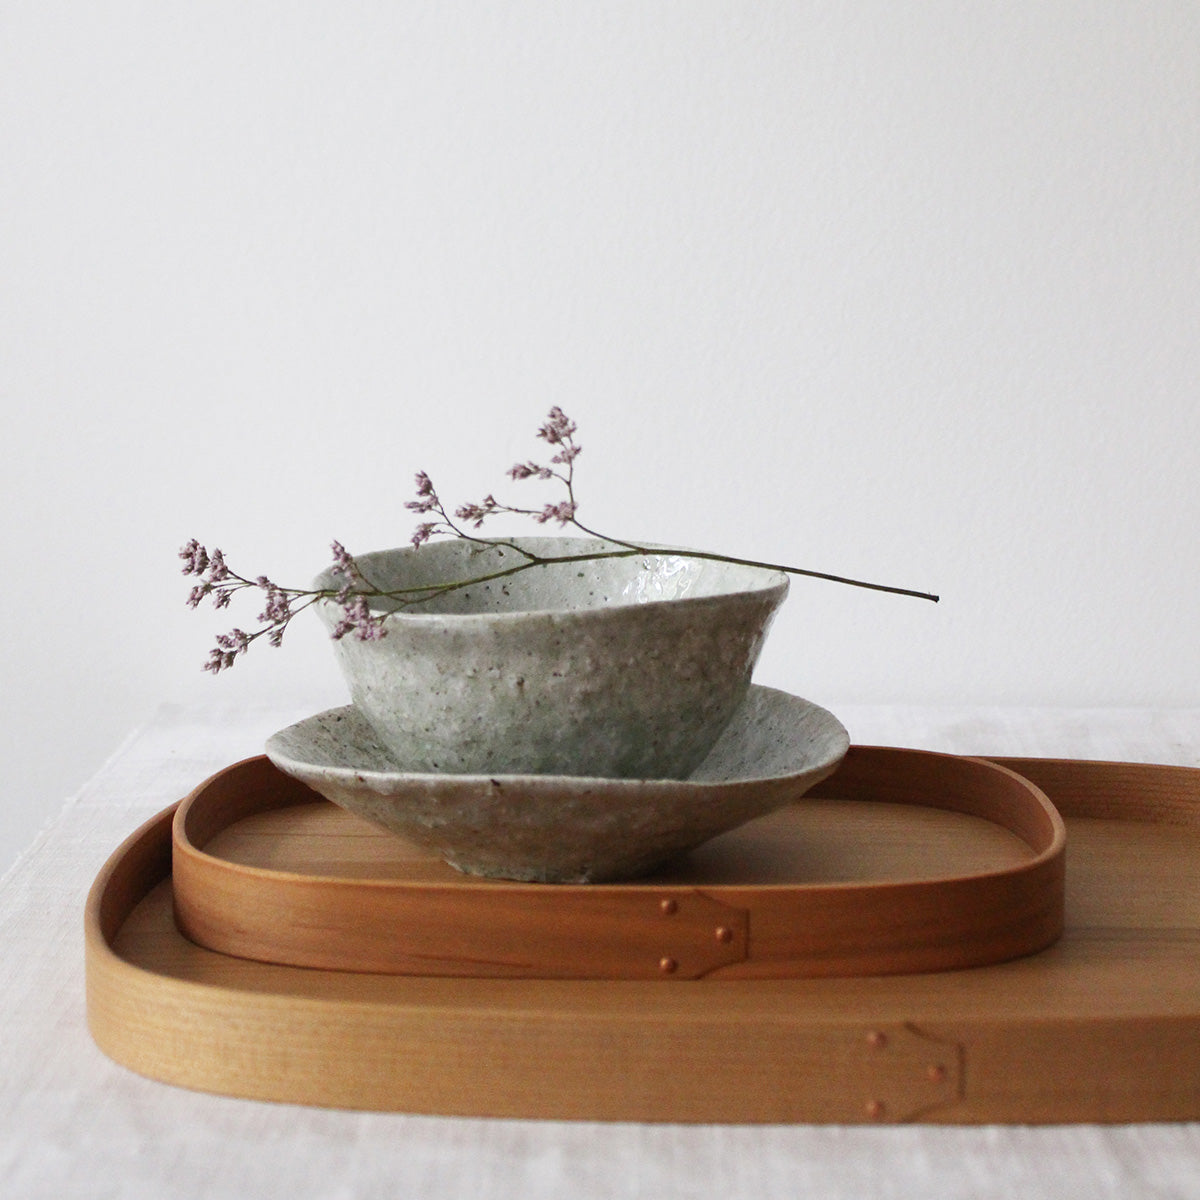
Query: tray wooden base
1102	1026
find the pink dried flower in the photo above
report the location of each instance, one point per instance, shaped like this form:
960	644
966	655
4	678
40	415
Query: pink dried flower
563	512
195	558
228	647
427	499
357	619
558	427
477	513
277	610
527	470
218	660
343	560
371	630
217	570
423	533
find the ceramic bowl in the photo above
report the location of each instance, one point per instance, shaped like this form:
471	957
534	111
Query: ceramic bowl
562	829
620	667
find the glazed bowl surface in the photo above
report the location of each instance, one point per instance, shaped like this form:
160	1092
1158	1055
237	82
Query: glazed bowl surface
627	667
569	829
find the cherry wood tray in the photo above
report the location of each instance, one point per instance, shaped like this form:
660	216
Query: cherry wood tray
909	861
1103	1025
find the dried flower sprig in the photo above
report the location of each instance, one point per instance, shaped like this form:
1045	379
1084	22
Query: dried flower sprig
280	604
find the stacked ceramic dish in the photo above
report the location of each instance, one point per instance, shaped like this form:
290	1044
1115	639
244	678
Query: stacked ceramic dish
580	720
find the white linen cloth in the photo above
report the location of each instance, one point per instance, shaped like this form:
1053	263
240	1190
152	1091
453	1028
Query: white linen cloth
75	1124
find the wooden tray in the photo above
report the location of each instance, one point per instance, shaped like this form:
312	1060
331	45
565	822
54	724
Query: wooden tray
1102	1026
851	880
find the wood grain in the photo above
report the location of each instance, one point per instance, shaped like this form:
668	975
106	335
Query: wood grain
1102	1026
905	861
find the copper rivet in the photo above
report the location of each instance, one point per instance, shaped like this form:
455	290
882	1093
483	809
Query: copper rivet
667	965
668	906
876	1040
936	1073
724	933
875	1109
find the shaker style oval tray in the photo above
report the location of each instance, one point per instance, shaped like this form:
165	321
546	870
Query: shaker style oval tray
1103	1025
954	862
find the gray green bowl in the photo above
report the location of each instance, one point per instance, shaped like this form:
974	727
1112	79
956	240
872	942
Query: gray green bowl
617	668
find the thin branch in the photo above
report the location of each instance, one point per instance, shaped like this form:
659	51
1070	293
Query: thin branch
282	604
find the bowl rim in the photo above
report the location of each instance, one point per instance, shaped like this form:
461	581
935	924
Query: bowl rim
768	582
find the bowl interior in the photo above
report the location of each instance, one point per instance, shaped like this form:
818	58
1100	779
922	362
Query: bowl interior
560	586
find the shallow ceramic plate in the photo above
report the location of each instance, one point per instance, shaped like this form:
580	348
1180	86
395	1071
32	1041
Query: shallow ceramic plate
561	828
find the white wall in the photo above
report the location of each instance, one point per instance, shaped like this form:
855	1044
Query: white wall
900	290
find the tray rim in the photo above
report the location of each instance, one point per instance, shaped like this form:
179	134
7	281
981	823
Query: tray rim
714	931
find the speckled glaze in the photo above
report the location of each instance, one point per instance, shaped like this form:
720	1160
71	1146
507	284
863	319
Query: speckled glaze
562	829
625	667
